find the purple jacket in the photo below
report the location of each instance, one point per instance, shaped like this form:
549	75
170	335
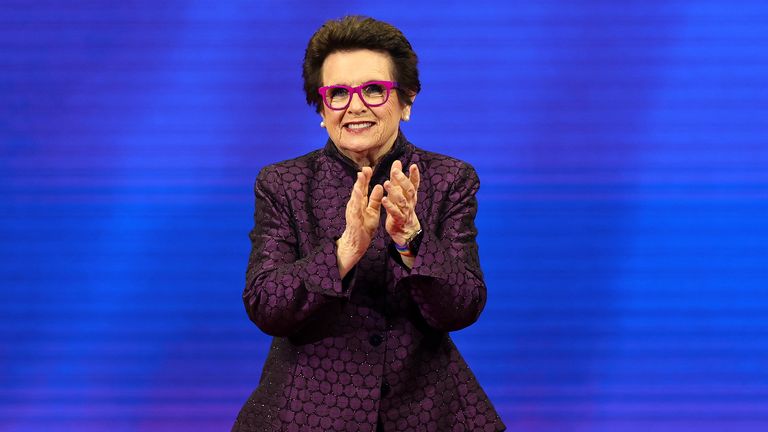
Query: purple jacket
372	348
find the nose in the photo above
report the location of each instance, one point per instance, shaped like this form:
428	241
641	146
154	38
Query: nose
356	104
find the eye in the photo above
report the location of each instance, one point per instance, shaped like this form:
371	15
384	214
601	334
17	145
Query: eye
374	90
337	93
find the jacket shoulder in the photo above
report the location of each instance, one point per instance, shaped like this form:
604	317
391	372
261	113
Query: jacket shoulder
444	166
289	170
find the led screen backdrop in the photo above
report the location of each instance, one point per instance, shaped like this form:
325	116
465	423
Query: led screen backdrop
623	211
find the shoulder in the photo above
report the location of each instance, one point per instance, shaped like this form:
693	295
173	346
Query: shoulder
289	171
442	169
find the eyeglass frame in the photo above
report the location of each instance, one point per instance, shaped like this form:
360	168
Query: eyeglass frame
389	85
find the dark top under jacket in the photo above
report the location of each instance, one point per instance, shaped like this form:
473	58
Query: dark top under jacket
372	348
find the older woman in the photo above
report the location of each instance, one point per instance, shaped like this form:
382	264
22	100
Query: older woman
358	269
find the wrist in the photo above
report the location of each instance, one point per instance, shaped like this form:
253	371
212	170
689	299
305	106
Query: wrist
410	246
347	247
407	233
346	256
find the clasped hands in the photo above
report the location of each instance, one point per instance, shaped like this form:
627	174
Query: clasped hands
363	213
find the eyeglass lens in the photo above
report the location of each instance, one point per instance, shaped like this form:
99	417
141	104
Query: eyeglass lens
373	95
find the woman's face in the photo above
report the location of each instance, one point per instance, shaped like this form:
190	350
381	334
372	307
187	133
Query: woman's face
362	133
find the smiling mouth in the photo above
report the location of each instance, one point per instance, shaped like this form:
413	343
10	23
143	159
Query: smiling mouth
358	125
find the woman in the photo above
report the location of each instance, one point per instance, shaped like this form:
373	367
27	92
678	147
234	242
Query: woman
359	270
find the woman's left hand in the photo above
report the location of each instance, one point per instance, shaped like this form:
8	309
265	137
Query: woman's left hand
400	202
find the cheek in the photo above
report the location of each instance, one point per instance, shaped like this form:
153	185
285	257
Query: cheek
332	119
389	115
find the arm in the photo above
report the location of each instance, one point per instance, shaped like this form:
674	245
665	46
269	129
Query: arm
445	279
284	289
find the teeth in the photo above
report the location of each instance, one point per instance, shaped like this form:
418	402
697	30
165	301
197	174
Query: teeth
359	125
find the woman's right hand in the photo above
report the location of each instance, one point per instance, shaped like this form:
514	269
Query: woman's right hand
362	221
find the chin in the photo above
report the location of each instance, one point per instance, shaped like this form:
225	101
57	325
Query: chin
358	145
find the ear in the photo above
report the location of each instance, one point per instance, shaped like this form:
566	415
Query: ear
413	99
406	114
407	108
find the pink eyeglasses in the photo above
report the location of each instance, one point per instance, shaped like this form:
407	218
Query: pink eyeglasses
372	93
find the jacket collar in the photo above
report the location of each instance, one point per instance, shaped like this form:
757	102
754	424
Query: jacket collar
400	148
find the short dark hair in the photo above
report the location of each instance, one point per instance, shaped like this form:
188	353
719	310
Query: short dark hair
358	32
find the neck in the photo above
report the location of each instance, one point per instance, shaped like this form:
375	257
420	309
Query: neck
369	158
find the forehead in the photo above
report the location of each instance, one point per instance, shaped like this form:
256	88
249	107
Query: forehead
356	67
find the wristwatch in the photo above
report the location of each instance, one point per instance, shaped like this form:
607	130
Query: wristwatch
411	246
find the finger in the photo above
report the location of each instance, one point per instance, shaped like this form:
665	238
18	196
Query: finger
396	172
414	176
397	166
407	191
356	188
358	200
397	176
393	211
374	201
367	173
364	177
367	176
395	194
354	204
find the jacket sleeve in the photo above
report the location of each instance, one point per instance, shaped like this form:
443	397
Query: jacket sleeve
284	289
446	281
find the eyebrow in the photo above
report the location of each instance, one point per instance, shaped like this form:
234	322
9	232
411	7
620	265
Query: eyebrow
361	82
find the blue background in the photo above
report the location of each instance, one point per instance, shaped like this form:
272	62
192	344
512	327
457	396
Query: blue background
623	212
